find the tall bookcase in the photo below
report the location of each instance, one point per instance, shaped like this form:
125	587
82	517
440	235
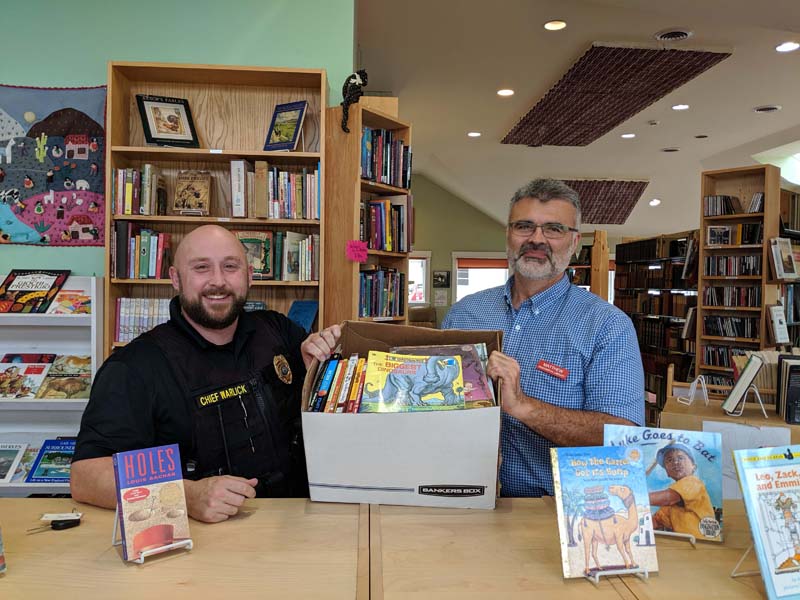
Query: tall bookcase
656	289
232	107
348	192
734	277
590	268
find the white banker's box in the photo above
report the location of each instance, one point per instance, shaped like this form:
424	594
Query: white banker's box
434	458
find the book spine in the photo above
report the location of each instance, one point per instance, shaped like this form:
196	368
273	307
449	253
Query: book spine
261	190
237	188
325	385
344	393
330	404
120	515
358	387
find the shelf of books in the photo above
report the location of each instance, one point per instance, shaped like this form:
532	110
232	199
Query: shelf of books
790	289
201	149
371	227
655	284
50	348
739	214
589	269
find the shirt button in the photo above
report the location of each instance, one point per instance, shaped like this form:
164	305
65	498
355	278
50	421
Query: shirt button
536	312
516	327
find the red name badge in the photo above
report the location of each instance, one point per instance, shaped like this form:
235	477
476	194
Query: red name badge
551	369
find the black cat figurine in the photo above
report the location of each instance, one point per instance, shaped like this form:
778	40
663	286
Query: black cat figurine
351	92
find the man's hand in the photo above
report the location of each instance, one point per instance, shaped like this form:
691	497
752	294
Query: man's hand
505	370
320	345
214	499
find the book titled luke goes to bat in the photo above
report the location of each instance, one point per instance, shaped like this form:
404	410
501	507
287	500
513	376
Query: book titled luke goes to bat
30	290
604	519
770	480
150	499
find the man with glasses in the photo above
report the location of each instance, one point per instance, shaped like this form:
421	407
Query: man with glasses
570	360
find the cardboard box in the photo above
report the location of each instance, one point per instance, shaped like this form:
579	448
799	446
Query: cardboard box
433	458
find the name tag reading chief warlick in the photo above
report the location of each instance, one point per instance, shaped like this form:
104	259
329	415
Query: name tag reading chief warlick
224	393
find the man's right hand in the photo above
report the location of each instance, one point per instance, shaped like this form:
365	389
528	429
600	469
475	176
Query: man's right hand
214	499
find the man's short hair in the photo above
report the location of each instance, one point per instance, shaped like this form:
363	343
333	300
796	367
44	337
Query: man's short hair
662	453
545	190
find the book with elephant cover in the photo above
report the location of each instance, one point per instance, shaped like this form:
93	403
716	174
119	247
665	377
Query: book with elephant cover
151	502
770	480
604	519
684	477
410	383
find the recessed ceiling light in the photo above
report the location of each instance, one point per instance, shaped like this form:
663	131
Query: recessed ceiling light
680	107
655	202
702	136
555	25
505	92
787	47
474	134
652	122
628	136
767	108
670	149
673	34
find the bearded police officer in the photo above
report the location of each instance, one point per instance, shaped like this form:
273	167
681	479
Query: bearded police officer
223	383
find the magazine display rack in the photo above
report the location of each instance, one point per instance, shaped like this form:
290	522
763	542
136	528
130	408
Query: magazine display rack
185	544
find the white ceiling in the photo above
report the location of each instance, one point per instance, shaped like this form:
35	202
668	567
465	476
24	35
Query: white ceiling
446	59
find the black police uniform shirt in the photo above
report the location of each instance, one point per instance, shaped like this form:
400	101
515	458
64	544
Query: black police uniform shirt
148	394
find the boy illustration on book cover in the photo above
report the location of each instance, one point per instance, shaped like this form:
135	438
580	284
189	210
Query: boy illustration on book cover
684	477
603	514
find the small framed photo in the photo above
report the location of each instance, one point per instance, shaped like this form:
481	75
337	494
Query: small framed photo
167	121
286	126
441	279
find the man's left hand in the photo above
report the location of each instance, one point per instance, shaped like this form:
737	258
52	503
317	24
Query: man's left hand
505	370
320	345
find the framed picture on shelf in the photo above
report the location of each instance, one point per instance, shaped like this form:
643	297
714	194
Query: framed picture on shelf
167	121
441	279
718	235
783	260
286	126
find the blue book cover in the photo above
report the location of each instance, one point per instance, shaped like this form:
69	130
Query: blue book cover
684	477
52	464
770	480
151	501
604	519
303	312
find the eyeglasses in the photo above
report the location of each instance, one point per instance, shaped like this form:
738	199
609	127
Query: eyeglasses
552	231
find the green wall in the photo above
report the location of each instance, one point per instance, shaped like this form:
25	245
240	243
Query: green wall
444	223
51	44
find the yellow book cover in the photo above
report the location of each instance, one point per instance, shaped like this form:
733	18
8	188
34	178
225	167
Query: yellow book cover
407	383
192	193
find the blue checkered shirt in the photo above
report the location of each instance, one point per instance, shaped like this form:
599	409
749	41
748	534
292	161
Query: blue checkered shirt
571	328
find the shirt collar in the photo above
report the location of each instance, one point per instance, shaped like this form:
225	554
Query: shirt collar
244	328
543	298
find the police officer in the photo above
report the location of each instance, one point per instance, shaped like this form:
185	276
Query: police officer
222	383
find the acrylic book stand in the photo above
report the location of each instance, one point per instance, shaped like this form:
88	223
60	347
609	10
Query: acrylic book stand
187	544
737	573
640	572
686	536
690	396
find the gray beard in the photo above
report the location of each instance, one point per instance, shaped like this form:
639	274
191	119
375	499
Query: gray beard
537	270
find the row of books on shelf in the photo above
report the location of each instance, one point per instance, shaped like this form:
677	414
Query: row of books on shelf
48	463
732	295
282	255
641	275
720	356
405	379
138	252
790	294
27	376
134	316
784	260
41	291
385	158
664	303
722	204
382	292
386	223
734	235
579	276
256	191
638	250
732	266
741	327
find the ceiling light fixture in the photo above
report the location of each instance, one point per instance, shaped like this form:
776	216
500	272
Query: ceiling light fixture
474	134
555	25
787	47
702	136
670	149
505	92
767	108
673	34
628	136
680	107
655	202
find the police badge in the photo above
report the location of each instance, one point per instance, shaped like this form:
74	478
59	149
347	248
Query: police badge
282	369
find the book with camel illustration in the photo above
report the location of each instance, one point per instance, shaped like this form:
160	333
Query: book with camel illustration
770	480
604	521
684	477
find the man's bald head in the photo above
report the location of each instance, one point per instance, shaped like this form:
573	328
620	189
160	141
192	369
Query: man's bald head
204	240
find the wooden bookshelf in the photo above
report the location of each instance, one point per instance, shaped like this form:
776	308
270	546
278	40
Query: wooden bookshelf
715	349
594	275
345	188
231	107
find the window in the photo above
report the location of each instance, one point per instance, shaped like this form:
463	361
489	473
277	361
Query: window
476	271
418	269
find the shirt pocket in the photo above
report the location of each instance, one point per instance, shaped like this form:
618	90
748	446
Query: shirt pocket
567	392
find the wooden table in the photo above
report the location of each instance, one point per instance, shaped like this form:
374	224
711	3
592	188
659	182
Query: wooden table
277	549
